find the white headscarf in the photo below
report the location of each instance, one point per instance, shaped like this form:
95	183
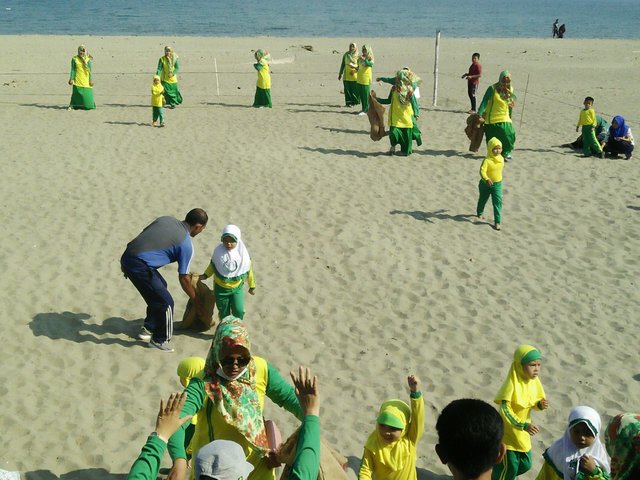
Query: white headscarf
231	263
565	456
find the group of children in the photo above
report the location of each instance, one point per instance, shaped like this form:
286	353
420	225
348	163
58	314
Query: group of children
618	139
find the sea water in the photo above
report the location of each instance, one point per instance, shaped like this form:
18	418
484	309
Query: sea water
322	18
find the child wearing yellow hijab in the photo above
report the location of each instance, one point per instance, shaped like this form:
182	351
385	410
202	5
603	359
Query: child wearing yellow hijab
491	181
390	451
520	392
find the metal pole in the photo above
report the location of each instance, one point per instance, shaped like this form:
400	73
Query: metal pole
435	70
524	101
215	63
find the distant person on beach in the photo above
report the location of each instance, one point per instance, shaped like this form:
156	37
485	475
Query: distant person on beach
403	128
262	97
230	266
473	79
168	67
519	394
619	139
587	120
165	240
470	439
562	30
491	181
391	449
349	75
578	454
81	81
554	29
364	77
601	131
622	438
495	110
157	102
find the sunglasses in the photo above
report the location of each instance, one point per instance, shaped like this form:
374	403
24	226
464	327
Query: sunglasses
240	361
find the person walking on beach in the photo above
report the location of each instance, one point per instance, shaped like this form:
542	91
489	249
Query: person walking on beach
491	181
365	64
165	240
157	102
473	79
495	110
81	81
262	98
554	29
349	75
168	67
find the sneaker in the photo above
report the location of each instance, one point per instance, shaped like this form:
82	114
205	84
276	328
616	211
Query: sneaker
164	346
392	150
362	113
144	334
628	157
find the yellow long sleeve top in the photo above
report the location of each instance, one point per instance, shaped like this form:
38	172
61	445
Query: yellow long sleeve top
156	95
491	169
587	117
230	283
400	468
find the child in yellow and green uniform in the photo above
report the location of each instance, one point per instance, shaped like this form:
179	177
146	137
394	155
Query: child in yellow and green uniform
81	80
391	449
491	181
263	86
365	64
230	265
349	69
168	67
518	395
588	122
157	101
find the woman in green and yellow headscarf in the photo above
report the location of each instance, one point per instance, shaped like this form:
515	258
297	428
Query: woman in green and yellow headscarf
81	81
349	75
364	77
262	98
496	107
168	67
230	399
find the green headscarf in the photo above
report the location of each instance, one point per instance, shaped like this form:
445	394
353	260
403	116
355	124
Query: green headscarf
506	94
622	439
262	57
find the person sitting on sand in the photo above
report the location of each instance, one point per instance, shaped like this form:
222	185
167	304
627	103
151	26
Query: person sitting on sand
619	138
391	449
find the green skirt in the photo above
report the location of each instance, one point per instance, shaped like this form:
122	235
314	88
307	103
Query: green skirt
416	134
172	95
504	132
351	93
262	98
404	137
82	98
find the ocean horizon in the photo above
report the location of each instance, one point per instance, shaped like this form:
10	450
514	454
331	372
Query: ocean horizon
328	18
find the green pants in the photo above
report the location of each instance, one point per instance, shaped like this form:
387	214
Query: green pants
262	97
230	301
402	136
364	96
158	114
589	141
512	465
351	93
504	132
495	192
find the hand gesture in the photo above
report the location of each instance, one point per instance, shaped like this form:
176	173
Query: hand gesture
587	463
532	429
544	404
414	383
307	391
168	420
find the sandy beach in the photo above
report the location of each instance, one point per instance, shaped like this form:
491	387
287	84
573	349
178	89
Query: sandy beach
369	267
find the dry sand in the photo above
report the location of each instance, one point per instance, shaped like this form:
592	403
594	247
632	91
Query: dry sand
368	267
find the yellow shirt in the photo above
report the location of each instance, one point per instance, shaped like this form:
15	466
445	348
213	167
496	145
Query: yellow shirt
497	110
587	117
264	78
157	100
82	76
350	73
364	73
491	168
400	116
167	74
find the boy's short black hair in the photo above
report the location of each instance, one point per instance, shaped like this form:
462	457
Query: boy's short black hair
196	216
469	436
589	99
476	54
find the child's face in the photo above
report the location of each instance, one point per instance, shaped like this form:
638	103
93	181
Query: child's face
156	81
475	59
581	435
229	242
389	434
497	150
532	369
588	104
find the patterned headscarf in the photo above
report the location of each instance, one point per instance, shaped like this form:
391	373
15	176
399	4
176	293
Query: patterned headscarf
517	388
622	129
406	82
172	58
623	444
367	47
262	57
352	56
83	55
506	94
236	400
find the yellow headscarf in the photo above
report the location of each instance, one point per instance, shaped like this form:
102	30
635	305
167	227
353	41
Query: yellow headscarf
517	389
190	367
397	453
491	144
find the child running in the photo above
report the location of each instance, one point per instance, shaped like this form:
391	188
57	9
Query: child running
230	265
587	121
520	392
262	98
365	64
157	101
491	181
390	451
579	454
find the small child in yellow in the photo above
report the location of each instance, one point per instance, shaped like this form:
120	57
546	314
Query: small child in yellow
520	392
157	101
491	181
588	122
390	451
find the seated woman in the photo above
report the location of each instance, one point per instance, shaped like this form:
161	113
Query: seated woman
619	140
231	397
